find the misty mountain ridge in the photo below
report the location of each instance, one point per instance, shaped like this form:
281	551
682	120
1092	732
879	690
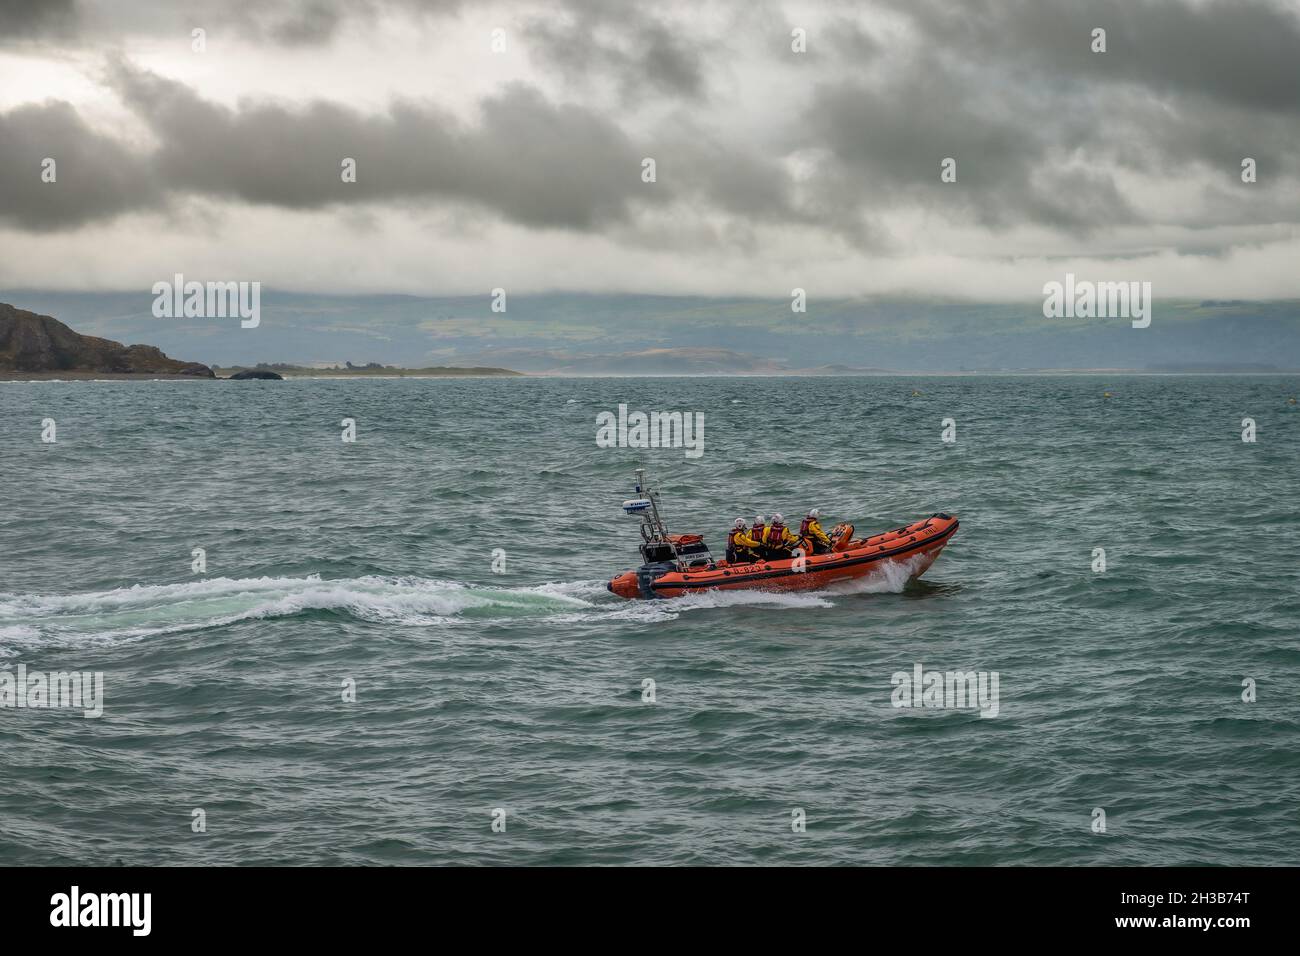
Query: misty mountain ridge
586	334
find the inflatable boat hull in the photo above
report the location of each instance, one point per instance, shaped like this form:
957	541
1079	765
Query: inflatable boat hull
915	546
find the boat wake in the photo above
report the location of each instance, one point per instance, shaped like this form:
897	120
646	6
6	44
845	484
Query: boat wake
109	617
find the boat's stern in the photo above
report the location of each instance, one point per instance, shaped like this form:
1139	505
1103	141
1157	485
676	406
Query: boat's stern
640	583
624	585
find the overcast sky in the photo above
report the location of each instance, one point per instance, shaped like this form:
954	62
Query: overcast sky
775	169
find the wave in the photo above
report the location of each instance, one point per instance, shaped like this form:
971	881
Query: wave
143	610
890	577
149	610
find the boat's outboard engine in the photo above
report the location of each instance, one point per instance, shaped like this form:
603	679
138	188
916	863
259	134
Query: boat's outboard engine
659	559
645	576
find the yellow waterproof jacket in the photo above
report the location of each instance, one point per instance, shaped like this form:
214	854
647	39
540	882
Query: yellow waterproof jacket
779	536
741	539
813	528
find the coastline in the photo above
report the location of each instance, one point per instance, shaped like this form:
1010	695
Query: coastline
224	372
82	376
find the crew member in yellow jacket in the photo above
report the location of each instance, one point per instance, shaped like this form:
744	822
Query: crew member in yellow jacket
811	531
777	539
741	548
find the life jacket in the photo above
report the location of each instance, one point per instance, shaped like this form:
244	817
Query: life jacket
774	535
758	533
803	527
731	540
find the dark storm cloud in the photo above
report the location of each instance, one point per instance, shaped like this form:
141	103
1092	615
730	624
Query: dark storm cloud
1172	135
1040	125
313	23
316	22
890	141
737	180
288	23
525	159
668	62
529	160
96	177
1043	130
1242	51
28	19
640	54
850	42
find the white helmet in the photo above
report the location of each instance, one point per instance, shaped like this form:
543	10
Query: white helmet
740	523
778	518
814	512
759	519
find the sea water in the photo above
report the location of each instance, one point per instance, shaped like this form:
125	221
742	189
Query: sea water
400	649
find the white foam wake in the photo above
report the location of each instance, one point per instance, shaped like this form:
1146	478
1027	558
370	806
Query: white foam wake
147	610
889	577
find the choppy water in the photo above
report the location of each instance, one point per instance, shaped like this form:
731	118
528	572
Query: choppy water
372	562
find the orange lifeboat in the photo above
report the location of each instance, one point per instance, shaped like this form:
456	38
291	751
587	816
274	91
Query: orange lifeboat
677	564
684	566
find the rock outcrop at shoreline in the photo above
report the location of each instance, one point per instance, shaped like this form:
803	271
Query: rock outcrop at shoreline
41	344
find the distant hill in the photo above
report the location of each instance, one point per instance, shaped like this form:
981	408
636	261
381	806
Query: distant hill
372	371
678	361
670	361
609	334
40	343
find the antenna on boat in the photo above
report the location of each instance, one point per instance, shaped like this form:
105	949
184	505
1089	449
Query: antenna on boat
647	506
